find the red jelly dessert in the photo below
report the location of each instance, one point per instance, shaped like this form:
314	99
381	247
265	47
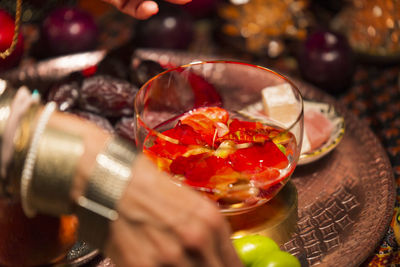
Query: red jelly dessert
232	161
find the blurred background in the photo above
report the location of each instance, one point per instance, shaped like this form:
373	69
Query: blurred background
348	49
321	40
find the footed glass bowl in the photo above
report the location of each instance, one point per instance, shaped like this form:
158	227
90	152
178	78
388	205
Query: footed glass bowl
231	130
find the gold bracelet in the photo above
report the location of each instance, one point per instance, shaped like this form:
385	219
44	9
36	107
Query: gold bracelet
14	107
29	164
105	187
21	142
6	97
58	155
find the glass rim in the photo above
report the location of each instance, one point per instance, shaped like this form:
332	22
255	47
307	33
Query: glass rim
201	62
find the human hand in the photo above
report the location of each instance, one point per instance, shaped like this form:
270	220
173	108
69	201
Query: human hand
162	224
140	9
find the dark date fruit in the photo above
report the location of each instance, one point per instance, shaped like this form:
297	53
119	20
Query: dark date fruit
117	62
145	70
108	96
65	94
126	128
97	119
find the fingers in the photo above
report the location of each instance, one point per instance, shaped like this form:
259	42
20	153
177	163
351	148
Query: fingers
224	246
179	2
228	252
170	251
140	9
136	8
180	225
128	246
209	233
141	245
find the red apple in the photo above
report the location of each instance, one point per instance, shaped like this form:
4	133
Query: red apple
6	36
68	30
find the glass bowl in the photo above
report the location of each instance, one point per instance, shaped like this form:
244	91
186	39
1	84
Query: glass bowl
231	130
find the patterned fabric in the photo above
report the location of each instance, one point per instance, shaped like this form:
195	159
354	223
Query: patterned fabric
375	97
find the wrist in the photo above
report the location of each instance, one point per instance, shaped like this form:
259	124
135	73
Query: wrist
105	187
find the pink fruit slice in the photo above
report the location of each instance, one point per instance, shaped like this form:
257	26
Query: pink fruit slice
317	127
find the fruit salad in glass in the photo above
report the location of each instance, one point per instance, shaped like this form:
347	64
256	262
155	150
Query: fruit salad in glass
202	123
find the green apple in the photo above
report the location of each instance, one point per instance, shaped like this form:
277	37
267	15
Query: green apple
277	258
250	248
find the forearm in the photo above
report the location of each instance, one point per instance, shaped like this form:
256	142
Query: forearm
80	169
70	160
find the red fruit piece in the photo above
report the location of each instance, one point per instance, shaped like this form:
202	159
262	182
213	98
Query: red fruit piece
167	93
185	135
194	168
89	71
181	86
181	136
206	121
163	148
318	127
204	92
245	131
237	125
214	114
202	125
266	178
243	136
258	157
198	169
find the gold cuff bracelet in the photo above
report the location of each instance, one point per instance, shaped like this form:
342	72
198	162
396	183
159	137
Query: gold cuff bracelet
58	155
105	187
30	160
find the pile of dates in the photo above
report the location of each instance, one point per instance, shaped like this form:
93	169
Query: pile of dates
104	94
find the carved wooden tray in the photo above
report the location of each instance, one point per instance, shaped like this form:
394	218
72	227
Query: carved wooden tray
345	200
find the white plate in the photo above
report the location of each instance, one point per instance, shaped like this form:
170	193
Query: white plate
336	135
256	112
